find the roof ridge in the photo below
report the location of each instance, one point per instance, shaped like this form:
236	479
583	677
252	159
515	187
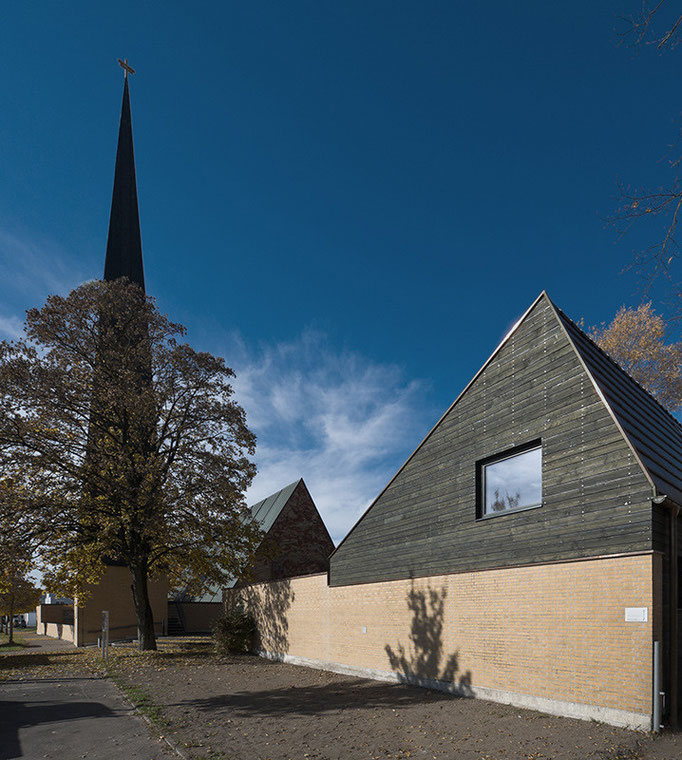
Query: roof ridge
275	493
609	358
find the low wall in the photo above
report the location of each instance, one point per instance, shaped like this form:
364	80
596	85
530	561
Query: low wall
58	631
550	637
56	621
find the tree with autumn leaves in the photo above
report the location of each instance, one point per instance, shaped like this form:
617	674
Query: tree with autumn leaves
127	444
636	340
19	541
17	594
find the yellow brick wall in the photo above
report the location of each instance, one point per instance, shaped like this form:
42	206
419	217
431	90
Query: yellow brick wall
113	593
50	621
554	631
57	631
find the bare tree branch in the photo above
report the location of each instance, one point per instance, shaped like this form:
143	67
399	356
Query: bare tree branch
643	29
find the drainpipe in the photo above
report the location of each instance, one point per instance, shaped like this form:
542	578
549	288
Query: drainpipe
674	633
673	594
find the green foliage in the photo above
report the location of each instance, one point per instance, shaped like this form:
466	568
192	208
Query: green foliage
233	632
124	443
17	594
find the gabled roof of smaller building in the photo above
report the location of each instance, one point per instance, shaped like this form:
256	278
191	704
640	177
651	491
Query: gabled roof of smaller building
265	512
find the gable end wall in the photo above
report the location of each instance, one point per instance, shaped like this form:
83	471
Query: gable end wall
298	542
596	499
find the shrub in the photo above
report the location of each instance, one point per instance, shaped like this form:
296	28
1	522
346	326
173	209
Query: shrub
233	632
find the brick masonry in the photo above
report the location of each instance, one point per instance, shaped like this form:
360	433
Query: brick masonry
298	541
56	621
550	636
113	593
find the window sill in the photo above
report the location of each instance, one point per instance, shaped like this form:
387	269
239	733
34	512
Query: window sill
504	512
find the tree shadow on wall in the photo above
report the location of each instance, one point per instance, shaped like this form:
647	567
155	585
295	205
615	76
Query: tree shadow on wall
423	662
268	603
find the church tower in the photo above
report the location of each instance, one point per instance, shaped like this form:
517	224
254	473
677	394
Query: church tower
124	242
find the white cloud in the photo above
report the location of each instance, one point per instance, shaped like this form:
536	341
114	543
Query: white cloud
31	269
339	420
11	327
35	268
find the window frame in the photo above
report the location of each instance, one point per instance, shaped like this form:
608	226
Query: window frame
481	464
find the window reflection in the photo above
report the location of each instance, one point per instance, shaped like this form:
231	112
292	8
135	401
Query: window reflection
514	482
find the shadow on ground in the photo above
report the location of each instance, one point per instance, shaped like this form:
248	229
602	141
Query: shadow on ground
15	660
317	699
190	647
185	656
17	715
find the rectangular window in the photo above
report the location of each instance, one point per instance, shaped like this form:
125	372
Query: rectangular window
511	481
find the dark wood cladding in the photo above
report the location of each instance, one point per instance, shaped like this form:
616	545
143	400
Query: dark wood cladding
596	498
653	431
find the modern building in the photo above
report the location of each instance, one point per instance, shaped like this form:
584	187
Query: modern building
526	552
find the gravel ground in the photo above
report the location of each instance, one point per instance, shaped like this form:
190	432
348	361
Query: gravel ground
245	707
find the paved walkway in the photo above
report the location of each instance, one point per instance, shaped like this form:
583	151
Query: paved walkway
70	718
39	644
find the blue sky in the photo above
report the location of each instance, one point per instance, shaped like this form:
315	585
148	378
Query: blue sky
351	201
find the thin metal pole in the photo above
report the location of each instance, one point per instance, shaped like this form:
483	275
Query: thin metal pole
656	718
105	634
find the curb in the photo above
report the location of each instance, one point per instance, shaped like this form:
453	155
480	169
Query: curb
150	724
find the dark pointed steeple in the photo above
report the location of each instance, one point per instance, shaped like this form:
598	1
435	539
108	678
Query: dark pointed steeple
124	244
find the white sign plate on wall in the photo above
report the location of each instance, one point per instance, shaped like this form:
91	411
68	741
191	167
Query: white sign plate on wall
636	614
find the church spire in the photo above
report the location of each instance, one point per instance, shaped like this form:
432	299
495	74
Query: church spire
124	244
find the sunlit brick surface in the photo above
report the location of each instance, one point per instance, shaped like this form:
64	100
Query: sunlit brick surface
556	631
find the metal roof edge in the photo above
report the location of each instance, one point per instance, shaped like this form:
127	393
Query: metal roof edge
504	340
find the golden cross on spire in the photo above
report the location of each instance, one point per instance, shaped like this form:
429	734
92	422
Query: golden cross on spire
126	68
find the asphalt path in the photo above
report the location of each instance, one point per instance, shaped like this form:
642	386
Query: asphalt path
71	718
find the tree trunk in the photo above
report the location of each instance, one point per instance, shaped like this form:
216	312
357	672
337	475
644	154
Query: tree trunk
143	609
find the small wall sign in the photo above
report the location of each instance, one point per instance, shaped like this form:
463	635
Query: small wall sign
636	614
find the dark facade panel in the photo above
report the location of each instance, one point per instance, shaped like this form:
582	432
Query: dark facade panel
655	434
596	498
